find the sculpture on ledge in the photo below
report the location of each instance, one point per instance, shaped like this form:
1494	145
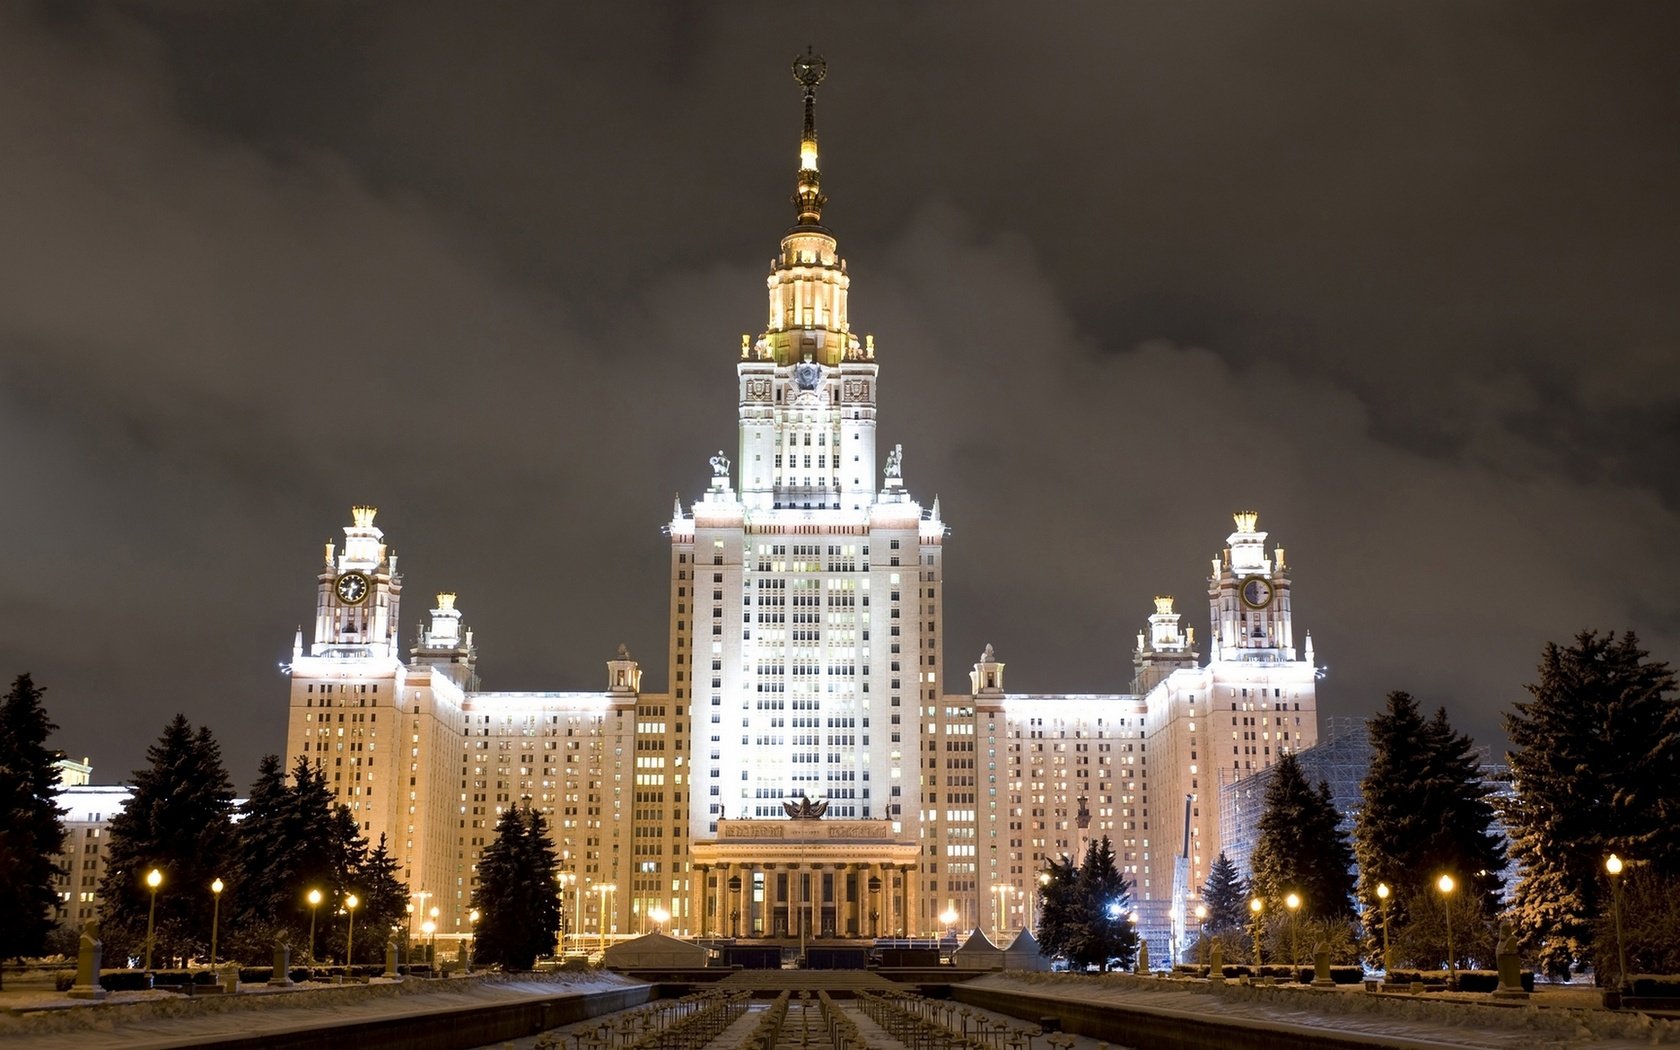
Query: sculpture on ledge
805	809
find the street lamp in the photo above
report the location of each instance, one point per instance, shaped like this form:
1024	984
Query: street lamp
350	903
429	928
1201	921
1256	906
948	917
1613	865
472	937
1293	903
314	907
432	954
1038	898
1445	885
1382	899
215	917
603	889
660	917
154	879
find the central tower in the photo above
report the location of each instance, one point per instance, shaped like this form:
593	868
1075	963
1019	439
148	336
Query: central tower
807	385
806	582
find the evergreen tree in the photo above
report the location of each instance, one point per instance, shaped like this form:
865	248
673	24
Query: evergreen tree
516	896
1226	896
1595	762
1301	848
295	838
1425	812
1056	908
384	896
178	820
31	832
1103	929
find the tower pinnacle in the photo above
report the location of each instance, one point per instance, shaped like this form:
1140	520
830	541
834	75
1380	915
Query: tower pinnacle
809	70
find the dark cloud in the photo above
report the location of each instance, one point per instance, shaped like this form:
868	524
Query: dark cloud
1398	278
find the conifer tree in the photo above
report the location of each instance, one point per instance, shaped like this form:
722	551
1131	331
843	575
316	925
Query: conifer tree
178	820
1425	812
518	902
1595	763
1226	896
1103	929
384	895
1301	848
1056	908
31	832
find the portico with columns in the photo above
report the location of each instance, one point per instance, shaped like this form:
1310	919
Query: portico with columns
804	877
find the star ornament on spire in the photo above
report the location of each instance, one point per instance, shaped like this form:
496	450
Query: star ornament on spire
809	70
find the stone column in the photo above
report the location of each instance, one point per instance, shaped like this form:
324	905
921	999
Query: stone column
703	897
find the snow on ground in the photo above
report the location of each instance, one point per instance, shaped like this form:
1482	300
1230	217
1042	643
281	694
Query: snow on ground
1463	1020
157	1019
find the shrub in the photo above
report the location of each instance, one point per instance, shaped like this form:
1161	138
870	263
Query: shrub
1468	980
1655	986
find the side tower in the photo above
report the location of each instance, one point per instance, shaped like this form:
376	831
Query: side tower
386	736
805	597
1210	725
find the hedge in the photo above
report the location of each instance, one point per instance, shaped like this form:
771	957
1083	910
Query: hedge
135	980
1655	986
1468	980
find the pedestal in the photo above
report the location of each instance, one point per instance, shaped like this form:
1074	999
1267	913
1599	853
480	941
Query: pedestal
88	958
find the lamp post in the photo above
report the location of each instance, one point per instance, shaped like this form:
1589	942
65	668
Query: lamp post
1382	899
429	928
1613	866
314	907
1445	885
431	959
1255	907
215	917
350	903
1201	921
154	879
734	905
472	937
1293	903
603	889
1038	898
660	917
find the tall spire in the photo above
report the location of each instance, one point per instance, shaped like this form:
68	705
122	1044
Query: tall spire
809	70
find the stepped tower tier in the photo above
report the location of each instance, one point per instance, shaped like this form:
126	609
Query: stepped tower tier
806	383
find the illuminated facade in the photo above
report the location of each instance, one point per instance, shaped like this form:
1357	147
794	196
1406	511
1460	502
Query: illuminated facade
805	663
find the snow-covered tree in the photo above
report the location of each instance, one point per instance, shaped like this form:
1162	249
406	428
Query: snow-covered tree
1301	848
31	832
1595	764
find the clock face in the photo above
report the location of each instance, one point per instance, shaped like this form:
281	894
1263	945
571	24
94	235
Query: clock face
351	588
1256	592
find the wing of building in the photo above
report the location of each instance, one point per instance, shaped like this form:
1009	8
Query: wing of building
805	663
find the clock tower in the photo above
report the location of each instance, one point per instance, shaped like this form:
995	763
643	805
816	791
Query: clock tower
1248	598
357	597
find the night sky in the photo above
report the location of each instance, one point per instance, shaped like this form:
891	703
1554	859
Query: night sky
1401	277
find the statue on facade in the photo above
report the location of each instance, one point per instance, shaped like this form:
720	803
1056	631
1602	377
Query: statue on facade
895	462
805	809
